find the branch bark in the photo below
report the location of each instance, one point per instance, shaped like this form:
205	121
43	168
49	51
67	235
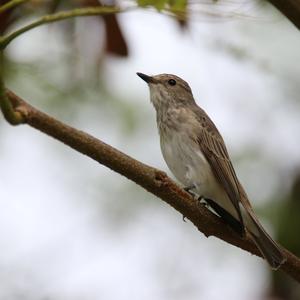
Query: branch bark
151	179
11	116
290	8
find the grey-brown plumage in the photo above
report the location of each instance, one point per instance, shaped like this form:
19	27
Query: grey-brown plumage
196	154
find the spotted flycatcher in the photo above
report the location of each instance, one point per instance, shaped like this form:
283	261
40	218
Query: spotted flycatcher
196	154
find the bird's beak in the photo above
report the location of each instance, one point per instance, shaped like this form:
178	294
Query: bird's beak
145	77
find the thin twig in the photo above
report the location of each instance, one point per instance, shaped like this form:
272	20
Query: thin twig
10	5
151	179
63	15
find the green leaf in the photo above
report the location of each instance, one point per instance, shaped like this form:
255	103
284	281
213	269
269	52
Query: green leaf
158	4
179	8
179	5
144	3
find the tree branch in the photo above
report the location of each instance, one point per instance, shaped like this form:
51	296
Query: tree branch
62	15
290	8
10	5
151	179
11	116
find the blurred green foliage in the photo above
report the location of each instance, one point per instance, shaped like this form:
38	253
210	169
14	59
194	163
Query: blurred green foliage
288	224
172	5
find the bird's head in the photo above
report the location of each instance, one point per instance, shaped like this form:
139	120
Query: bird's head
167	90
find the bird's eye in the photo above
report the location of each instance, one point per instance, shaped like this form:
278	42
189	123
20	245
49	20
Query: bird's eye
171	82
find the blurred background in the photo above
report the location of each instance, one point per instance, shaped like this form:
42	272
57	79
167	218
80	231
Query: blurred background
70	228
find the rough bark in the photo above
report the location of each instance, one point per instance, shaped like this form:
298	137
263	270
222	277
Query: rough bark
151	179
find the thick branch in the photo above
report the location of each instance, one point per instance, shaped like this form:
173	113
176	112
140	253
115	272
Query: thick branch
10	115
290	8
153	180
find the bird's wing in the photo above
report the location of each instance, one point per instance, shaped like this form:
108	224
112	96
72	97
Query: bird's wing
214	150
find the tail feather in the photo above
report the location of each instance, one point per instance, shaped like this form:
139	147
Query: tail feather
267	246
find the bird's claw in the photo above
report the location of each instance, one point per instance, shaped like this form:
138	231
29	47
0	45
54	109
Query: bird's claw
189	188
201	201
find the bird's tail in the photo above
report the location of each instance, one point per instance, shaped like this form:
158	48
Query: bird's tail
267	246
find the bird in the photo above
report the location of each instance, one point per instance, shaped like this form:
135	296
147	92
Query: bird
196	154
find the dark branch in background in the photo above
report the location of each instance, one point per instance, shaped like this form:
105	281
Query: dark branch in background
151	179
290	8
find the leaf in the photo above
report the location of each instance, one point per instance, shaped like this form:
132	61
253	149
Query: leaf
179	9
158	4
144	3
178	5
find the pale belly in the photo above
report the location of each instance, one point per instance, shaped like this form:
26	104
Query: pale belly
186	162
190	167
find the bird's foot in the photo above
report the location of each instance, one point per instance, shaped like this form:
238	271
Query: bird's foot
189	189
201	201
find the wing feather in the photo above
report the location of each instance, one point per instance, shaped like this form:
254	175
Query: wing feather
213	147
